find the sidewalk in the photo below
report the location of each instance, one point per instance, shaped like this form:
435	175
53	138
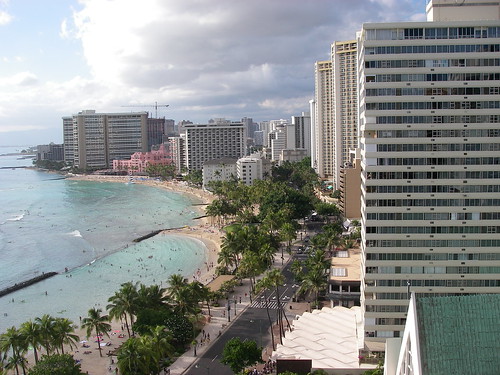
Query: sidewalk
218	322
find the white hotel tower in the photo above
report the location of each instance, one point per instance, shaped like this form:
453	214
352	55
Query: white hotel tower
430	142
335	111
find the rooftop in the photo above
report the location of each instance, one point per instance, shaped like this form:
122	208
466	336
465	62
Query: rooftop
327	336
346	268
459	334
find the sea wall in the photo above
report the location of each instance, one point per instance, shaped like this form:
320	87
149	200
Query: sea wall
26	283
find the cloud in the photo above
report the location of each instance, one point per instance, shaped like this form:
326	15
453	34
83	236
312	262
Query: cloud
5	18
64	32
224	58
251	49
241	52
20	79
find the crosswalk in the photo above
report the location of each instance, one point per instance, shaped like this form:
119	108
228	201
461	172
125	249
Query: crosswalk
261	304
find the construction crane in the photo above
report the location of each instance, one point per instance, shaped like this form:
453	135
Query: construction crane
155	106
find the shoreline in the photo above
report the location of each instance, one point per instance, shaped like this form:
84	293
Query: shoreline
208	234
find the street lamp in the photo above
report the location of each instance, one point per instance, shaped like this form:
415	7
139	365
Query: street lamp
228	310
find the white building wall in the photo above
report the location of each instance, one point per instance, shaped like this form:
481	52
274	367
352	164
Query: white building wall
221	171
278	143
454	10
345	104
430	130
249	169
213	141
324	120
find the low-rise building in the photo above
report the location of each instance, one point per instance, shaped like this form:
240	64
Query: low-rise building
350	189
253	167
344	282
292	155
223	169
52	151
139	161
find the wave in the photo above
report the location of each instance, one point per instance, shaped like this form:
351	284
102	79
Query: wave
15	218
75	233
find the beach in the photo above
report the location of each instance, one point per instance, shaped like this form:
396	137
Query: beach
204	231
209	236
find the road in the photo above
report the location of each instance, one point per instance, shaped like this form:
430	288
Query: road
252	324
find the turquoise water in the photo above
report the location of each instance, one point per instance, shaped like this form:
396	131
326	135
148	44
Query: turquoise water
51	224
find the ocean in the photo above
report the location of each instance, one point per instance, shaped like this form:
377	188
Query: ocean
51	224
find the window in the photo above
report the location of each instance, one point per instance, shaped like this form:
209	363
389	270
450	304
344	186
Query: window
338	272
413	33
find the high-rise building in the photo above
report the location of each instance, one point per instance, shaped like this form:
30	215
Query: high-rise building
323	126
220	139
300	137
156	131
277	141
177	147
335	111
429	135
68	139
93	140
265	128
169	130
259	137
345	104
250	126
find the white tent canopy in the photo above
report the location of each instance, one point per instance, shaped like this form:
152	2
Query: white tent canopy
328	336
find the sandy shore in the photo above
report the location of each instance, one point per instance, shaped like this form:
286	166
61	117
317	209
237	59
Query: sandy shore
203	231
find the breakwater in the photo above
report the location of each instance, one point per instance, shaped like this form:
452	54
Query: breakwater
26	283
149	235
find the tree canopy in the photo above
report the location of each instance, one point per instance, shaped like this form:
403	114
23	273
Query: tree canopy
238	354
57	364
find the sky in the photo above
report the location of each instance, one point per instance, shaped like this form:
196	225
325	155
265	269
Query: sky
204	58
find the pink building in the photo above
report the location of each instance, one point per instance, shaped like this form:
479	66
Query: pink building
140	160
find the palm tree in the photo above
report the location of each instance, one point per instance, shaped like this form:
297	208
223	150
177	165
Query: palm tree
201	292
124	303
64	333
232	246
159	343
267	252
46	323
251	265
297	268
226	259
33	336
14	361
347	244
97	322
262	286
152	296
185	301
274	279
133	357
14	342
289	233
314	281
176	282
